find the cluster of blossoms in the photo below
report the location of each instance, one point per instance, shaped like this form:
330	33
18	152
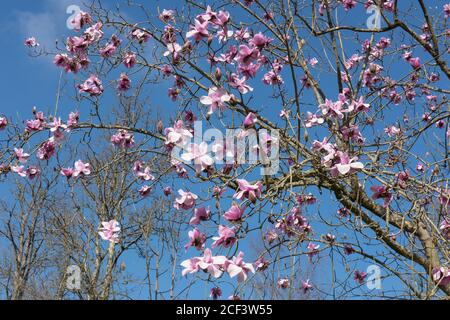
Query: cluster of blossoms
217	265
109	231
47	149
338	162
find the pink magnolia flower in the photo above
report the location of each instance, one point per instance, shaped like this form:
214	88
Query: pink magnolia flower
359	106
260	41
215	293
250	120
46	150
226	238
141	35
332	109
129	60
124	83
381	192
167	191
420	167
93	33
284	114
312	250
32	172
92	85
145	190
261	264
346	165
392	131
313	61
237	267
190	266
359	276
313	120
200	214
247	190
306	286
177	134
415	63
21	156
31	42
80	20
272	78
186	200
199	154
81	169
123	139
216	98
20	170
239	83
196	239
3	123
145	175
246	54
447	10
283	283
74	117
445	228
199	30
234	213
441	276
109	231
67	172
166	15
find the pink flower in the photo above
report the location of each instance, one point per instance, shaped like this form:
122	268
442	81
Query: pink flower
31	42
166	15
239	83
129	60
123	139
20	170
208	263
186	200
247	190
313	61
109	231
306	286
447	10
392	131
226	238
32	172
177	134
92	85
145	175
283	283
284	114
348	4
360	276
237	267
3	123
312	250
441	276
380	192
246	55
199	30
200	214
234	213
46	150
445	228
81	169
415	63
124	83
196	239
141	35
145	190
216	98
260	41
167	191
199	154
250	120
332	109
346	165
313	120
80	20
215	293
21	156
261	264
67	172
190	266
74	117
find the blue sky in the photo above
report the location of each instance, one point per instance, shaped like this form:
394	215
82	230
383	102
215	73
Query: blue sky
29	82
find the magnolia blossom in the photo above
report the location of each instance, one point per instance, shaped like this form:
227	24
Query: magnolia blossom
313	120
81	169
129	60
247	190
166	15
110	231
226	238
80	20
177	134
306	286
312	250
199	30
237	267
186	200
216	98
381	192
359	276
123	139
234	213
283	283
212	264
215	293
441	276
196	239
445	228
200	214
21	156
250	120
392	131
31	42
346	165
92	85
199	154
3	123
124	83
145	190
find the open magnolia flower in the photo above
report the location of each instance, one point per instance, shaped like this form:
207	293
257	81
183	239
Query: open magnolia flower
109	231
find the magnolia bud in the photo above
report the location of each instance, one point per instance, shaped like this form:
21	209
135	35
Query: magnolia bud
160	126
218	74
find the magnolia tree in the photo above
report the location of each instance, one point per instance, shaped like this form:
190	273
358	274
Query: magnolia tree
301	152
